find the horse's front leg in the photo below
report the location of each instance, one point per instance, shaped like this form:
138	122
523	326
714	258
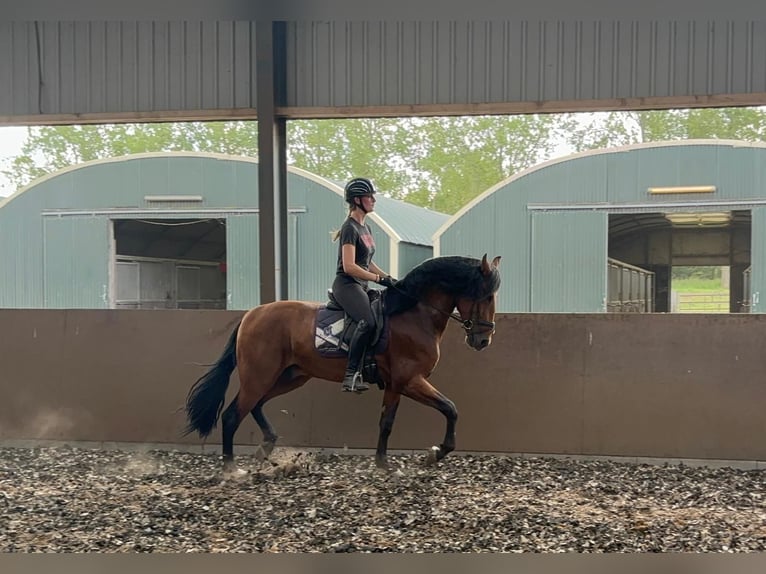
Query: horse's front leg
420	390
387	416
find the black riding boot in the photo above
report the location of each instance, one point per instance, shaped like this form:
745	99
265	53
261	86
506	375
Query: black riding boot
352	381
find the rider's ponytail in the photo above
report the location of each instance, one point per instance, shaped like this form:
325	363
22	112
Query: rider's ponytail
335	233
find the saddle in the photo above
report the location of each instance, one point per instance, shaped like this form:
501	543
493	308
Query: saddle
333	330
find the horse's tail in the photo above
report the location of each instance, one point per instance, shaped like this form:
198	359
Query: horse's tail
205	399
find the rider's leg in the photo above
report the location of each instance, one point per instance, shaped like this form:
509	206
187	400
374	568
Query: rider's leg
352	380
355	301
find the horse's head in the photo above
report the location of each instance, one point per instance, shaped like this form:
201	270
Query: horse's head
478	314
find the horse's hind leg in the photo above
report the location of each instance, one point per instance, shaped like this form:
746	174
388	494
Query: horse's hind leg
252	389
269	436
288	381
230	421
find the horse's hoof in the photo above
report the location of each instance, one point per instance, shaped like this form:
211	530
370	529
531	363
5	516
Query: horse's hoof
260	453
382	463
432	457
234	473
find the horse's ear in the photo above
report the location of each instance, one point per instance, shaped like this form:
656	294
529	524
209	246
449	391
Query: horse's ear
485	268
496	262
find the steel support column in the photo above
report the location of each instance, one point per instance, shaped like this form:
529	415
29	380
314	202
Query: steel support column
272	160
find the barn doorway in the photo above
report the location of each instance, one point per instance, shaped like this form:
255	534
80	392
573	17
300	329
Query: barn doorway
667	249
169	264
700	289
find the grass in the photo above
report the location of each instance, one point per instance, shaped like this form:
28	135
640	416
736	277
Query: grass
701	295
696	285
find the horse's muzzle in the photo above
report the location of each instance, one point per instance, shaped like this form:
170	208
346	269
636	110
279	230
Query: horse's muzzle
478	334
478	341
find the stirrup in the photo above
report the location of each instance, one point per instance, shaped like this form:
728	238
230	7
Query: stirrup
356	385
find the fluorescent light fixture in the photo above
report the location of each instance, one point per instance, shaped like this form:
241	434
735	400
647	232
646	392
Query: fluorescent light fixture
700	219
683	189
164	198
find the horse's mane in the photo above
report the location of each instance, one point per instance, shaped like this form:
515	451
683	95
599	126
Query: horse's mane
454	275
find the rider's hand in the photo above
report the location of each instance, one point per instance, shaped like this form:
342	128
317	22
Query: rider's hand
387	281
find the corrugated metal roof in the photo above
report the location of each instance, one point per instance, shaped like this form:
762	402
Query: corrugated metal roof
207	68
414	224
351	64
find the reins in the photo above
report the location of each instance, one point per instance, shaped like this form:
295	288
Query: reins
467	324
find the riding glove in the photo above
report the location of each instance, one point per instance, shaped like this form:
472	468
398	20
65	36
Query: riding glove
387	281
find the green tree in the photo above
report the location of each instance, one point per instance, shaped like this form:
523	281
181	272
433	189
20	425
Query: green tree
51	148
603	130
340	149
441	163
467	155
438	162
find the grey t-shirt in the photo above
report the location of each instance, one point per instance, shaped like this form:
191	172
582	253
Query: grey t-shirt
351	233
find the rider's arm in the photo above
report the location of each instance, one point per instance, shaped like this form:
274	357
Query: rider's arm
377	270
348	253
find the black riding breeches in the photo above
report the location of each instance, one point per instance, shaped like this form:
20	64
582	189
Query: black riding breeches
354	299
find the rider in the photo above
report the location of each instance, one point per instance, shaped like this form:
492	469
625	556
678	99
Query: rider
355	268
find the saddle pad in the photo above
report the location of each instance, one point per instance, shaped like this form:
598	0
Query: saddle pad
328	329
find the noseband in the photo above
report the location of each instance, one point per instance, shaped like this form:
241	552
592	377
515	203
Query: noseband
469	324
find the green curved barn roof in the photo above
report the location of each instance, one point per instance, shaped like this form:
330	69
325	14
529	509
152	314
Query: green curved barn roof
651	163
58	232
400	220
413	224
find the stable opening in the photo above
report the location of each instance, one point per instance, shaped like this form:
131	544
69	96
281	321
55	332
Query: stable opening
169	264
686	261
700	289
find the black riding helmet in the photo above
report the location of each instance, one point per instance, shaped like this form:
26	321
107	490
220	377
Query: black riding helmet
358	187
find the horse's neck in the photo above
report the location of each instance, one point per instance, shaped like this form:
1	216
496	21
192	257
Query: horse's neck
437	308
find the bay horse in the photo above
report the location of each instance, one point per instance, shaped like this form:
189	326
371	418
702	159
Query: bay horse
273	347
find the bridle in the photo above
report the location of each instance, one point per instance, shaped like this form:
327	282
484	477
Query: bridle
467	324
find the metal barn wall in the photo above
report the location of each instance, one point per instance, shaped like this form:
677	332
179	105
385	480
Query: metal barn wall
758	254
605	181
500	223
21	279
198	69
675	386
563	245
76	263
99	191
243	286
315	261
410	255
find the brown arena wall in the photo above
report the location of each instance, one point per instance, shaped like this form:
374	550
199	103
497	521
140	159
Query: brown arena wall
675	386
